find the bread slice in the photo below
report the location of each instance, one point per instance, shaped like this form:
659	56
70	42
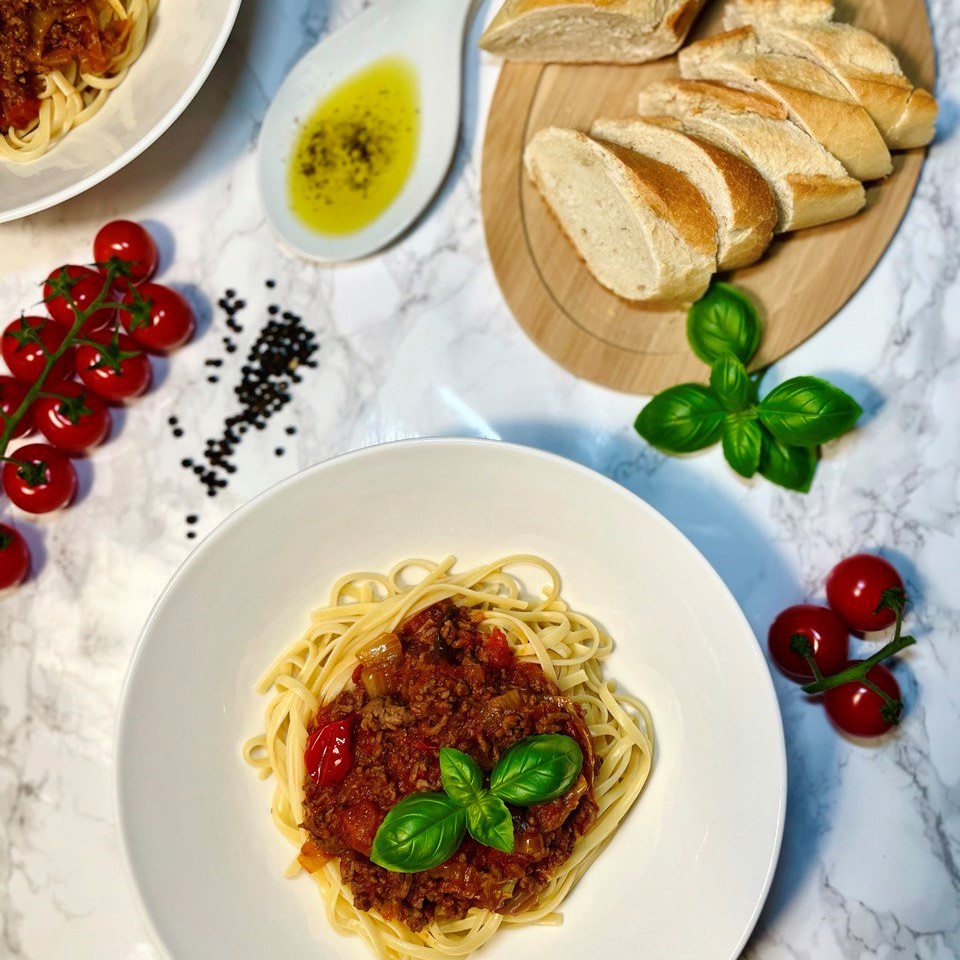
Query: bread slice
810	185
589	31
904	114
814	100
739	197
643	229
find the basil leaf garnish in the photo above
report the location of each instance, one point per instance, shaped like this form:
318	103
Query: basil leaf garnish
731	383
808	411
422	831
537	769
742	440
462	776
489	822
723	321
789	466
681	419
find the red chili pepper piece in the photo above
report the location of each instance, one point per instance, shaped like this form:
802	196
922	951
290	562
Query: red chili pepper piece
329	753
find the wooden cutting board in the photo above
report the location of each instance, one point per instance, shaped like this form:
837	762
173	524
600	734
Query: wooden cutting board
803	280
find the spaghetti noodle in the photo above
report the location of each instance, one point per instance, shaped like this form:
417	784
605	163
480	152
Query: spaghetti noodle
567	646
58	64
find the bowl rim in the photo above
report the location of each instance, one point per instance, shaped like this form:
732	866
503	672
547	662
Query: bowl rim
147	140
372	450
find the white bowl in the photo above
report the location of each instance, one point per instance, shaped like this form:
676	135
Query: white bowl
186	37
685	876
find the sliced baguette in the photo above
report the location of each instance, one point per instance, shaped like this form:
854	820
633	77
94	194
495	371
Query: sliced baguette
739	197
589	31
814	100
643	229
810	185
904	114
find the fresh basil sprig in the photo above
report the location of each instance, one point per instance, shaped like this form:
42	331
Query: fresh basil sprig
808	411
425	829
422	831
537	769
742	443
723	321
682	419
731	383
777	436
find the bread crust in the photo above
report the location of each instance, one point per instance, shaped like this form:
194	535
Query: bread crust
655	193
905	115
837	121
672	197
744	196
804	197
589	31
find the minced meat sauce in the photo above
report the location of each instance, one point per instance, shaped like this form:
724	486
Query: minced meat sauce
459	686
37	36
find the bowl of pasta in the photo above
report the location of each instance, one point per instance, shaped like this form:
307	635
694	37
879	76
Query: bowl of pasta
439	695
85	87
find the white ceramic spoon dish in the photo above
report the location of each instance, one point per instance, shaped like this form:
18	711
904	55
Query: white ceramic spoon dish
428	34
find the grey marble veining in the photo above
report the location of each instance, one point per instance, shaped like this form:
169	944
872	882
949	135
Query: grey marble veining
418	341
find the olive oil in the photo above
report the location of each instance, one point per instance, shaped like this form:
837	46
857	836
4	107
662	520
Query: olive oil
357	149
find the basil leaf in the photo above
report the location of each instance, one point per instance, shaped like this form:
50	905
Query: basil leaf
462	777
489	822
731	383
681	419
723	321
808	411
742	440
789	466
422	831
537	769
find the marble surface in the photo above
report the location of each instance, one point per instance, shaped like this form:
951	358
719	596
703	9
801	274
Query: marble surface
416	342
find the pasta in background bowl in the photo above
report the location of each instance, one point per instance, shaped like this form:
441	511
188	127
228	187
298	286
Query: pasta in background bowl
184	39
205	857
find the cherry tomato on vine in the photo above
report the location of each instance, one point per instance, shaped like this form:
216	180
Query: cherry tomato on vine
171	318
75	425
116	385
14	557
88	286
128	241
12	393
827	633
855	589
25	358
856	709
47	483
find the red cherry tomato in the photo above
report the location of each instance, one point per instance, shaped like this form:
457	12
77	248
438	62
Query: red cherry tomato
14	557
856	709
53	488
826	632
129	381
171	319
128	241
329	753
855	589
72	427
12	393
87	288
25	358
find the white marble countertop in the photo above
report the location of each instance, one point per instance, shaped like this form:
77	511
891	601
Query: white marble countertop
417	342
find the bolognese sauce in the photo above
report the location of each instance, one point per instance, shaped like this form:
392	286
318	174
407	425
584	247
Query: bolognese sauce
443	681
38	36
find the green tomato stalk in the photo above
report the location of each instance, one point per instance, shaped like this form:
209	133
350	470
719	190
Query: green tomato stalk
111	355
894	599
